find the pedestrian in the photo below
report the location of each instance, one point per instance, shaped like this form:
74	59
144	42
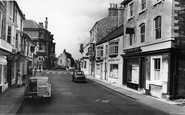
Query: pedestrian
19	78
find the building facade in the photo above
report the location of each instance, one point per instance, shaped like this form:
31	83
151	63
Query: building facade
44	53
153	57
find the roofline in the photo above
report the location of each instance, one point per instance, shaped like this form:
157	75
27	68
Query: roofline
99	43
23	16
125	2
97	23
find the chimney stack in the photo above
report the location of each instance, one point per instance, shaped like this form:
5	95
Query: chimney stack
113	10
46	23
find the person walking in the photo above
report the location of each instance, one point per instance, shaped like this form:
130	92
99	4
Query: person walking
19	78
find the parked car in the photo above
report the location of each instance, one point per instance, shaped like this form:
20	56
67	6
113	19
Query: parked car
78	76
38	87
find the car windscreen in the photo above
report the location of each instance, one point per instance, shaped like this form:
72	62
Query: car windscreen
79	72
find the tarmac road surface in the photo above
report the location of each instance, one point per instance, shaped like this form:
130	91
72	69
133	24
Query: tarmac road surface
69	98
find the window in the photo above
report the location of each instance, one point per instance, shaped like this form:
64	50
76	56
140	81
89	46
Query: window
131	38
16	41
143	4
113	48
9	36
1	24
41	46
142	32
15	16
114	71
157	67
106	50
85	64
131	10
157	22
156	1
99	51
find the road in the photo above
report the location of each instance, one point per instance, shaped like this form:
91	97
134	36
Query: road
69	98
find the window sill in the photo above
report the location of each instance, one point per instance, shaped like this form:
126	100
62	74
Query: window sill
159	2
159	83
142	11
113	55
130	18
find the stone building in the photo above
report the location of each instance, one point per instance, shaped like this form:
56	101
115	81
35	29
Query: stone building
153	48
44	53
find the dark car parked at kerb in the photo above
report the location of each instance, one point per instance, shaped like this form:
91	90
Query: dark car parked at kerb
78	76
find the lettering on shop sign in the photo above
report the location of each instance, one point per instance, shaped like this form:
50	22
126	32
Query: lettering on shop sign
114	60
132	50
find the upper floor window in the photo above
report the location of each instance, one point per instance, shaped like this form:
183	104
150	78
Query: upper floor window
143	4
15	16
142	32
157	1
130	10
9	35
131	39
1	23
41	46
157	22
106	50
113	48
99	51
41	34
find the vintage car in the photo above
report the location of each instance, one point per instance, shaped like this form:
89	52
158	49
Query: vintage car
38	87
78	76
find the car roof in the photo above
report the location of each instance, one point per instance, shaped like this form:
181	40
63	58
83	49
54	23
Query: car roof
39	77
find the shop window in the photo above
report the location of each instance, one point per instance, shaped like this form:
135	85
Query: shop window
114	70
5	74
157	22
133	71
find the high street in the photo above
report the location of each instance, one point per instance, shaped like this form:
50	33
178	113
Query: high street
83	99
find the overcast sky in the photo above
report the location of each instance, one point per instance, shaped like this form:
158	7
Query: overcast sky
68	20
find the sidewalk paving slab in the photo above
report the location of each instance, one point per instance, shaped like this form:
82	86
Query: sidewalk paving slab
167	106
12	99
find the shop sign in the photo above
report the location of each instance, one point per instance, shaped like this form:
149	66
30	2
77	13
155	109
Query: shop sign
133	50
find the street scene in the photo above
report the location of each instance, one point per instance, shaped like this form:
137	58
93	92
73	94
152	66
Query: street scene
92	57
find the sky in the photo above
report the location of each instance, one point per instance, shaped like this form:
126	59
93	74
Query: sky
68	20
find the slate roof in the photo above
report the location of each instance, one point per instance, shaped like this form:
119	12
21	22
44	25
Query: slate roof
118	32
31	24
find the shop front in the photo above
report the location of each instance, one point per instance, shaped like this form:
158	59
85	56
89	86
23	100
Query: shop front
115	70
3	74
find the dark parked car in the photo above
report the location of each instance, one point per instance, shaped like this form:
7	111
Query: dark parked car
78	76
38	87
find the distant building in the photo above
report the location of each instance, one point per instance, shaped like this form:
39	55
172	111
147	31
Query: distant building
62	60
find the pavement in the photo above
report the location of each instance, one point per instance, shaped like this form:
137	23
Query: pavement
11	100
